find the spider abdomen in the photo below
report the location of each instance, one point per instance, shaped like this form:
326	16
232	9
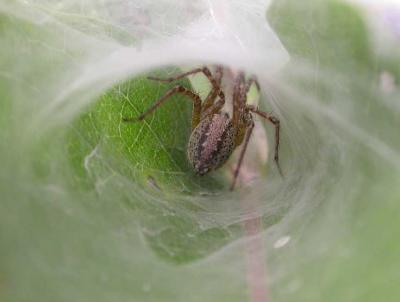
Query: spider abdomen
211	143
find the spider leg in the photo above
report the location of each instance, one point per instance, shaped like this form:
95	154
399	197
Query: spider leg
277	124
204	70
216	88
249	131
215	83
238	100
253	80
196	114
213	109
250	82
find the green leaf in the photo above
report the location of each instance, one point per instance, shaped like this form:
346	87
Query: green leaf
328	33
152	152
347	250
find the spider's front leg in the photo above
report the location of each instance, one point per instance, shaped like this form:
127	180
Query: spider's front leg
250	82
277	124
204	70
214	109
209	105
179	89
216	88
248	129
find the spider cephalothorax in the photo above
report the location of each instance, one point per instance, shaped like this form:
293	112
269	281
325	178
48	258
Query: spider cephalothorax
215	135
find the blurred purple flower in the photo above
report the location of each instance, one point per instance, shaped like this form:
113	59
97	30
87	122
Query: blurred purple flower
392	17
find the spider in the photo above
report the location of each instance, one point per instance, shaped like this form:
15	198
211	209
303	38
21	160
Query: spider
215	135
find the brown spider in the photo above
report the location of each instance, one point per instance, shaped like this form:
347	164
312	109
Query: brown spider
214	134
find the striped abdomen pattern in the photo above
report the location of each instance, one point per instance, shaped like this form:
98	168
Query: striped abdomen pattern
211	143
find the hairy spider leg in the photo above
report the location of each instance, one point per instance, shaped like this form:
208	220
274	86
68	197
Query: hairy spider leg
196	114
252	80
215	82
214	109
239	115
249	131
204	70
216	88
277	124
240	99
236	102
